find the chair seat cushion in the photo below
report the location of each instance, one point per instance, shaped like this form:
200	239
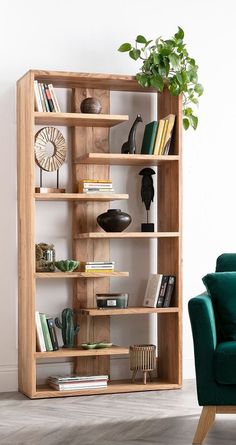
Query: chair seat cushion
225	363
221	286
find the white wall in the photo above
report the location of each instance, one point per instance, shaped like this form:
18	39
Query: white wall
79	36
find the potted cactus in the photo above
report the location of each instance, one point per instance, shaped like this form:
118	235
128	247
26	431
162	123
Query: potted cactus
68	327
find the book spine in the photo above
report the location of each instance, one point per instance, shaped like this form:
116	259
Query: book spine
45	98
46	334
161	295
52	332
54	98
81	181
49	98
39	333
38	103
169	291
42	97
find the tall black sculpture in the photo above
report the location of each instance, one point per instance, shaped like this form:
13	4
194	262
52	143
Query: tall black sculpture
147	194
129	146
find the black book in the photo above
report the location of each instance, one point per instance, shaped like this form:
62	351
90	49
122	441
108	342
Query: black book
169	291
48	98
52	332
162	292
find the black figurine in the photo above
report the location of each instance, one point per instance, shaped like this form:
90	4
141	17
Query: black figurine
147	194
129	146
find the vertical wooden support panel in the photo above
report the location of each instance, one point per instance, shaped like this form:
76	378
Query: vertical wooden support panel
84	140
26	237
170	250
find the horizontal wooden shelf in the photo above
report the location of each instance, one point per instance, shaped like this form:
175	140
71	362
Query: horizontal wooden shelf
101	235
79	119
120	386
93	312
80	196
52	275
124	159
112	82
79	352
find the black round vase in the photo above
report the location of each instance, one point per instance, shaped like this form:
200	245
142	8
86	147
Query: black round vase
114	220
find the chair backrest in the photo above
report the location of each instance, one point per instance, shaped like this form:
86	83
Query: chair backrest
226	262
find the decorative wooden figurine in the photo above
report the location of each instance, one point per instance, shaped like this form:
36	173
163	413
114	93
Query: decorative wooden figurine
129	146
147	194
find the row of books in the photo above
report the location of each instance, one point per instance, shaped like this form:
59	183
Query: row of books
97	266
159	290
76	383
157	136
45	333
45	98
95	186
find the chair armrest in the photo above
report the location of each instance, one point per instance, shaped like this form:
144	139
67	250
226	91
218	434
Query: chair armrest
202	319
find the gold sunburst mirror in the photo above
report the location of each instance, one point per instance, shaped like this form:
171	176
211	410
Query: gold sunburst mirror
49	161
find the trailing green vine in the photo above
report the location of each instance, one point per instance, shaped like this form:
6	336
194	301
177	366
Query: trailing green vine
167	62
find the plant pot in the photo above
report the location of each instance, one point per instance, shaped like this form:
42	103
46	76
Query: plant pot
114	220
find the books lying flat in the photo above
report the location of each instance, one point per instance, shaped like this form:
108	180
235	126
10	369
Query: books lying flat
95	185
97	266
76	383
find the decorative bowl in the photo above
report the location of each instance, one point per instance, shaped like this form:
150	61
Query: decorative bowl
91	105
114	220
67	265
99	345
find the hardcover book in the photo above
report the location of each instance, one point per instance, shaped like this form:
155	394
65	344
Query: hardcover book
161	296
152	290
149	138
169	291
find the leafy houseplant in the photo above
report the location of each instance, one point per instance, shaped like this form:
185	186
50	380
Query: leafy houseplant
167	62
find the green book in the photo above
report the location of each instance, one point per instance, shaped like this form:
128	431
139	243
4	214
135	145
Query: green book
149	138
46	334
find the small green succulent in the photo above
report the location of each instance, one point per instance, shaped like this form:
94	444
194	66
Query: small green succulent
67	265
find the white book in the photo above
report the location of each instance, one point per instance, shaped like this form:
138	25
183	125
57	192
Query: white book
38	102
54	98
152	290
79	378
39	333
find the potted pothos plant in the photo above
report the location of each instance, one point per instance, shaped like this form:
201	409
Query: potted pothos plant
167	62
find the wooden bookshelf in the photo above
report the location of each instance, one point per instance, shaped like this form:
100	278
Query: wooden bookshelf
91	157
79	119
110	235
79	352
53	275
80	196
125	159
93	312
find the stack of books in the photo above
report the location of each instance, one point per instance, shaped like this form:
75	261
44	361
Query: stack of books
159	290
157	136
95	186
45	98
45	333
97	266
76	383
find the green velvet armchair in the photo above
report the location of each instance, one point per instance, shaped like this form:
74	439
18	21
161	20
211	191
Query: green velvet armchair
213	320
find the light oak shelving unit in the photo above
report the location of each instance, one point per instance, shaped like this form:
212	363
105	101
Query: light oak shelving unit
91	158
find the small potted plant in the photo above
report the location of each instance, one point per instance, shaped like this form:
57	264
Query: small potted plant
166	62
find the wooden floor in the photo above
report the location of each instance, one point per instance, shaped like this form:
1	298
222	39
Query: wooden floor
147	418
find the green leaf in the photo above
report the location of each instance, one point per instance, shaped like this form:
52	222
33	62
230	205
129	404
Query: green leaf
180	34
135	53
162	70
174	60
156	59
157	82
194	121
125	47
199	89
188	111
186	123
143	80
141	39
